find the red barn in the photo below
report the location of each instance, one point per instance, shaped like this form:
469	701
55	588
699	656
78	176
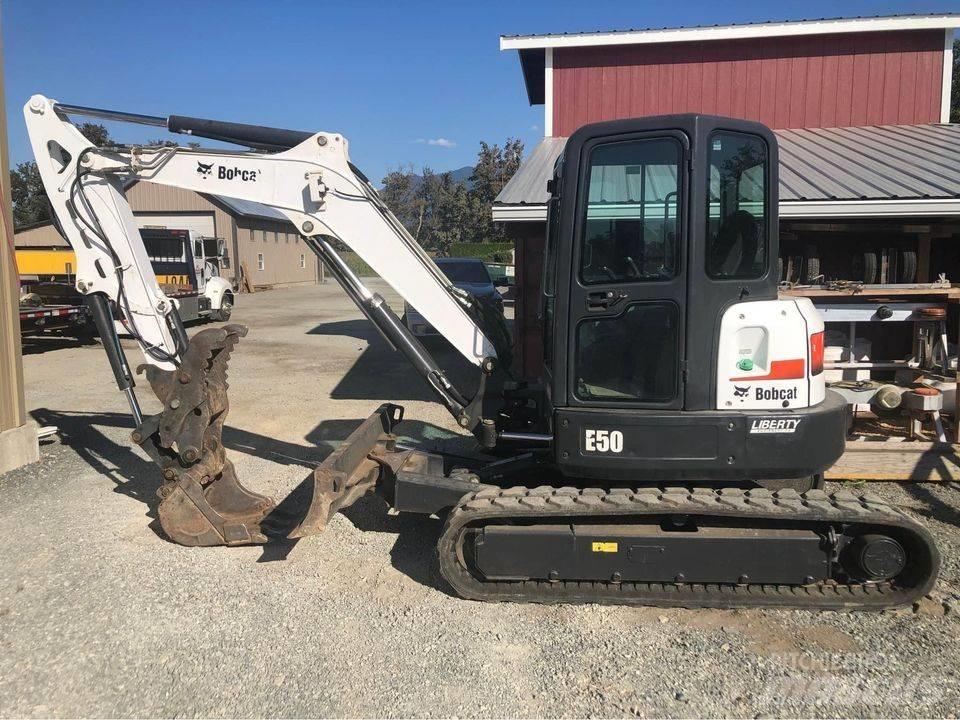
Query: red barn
861	106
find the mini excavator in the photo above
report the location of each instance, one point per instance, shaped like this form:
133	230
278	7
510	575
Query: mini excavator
673	450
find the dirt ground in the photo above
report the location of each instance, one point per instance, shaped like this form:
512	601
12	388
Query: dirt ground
100	616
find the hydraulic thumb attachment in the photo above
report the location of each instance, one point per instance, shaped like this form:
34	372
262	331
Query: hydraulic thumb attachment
201	500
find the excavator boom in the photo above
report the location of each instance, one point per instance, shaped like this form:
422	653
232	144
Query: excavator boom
309	178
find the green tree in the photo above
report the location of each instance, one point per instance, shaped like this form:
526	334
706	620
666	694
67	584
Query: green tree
28	196
95	133
399	194
446	211
26	188
439	211
955	89
494	169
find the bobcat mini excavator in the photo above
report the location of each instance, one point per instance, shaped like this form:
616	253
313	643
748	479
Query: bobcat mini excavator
669	454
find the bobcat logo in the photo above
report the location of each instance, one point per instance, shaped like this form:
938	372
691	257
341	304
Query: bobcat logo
740	392
204	170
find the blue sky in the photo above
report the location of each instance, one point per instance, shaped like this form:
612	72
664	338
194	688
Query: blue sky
390	76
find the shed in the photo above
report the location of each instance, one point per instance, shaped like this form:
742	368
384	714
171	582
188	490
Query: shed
255	234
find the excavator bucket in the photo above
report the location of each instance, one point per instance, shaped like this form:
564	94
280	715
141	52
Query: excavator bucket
202	501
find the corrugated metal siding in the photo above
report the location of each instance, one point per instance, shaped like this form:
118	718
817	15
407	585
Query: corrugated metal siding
241	222
892	162
529	183
149	197
789	82
38	237
281	247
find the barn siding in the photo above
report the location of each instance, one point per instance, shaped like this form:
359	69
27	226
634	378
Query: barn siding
785	82
281	247
243	235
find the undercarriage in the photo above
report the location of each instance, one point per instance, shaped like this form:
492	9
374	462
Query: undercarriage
512	535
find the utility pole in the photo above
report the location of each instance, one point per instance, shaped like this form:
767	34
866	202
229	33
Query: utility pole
18	441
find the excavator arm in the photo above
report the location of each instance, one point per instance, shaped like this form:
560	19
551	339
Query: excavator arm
308	177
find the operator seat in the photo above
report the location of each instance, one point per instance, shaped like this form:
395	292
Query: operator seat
735	249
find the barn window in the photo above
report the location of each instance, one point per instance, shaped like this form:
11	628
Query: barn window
259	261
303	261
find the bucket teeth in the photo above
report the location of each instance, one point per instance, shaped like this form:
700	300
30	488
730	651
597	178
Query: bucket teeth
202	501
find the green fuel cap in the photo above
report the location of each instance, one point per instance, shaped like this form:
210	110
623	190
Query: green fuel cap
745	364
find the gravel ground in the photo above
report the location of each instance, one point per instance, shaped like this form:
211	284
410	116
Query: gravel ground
99	616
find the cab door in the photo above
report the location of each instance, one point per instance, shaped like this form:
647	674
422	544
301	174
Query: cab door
628	284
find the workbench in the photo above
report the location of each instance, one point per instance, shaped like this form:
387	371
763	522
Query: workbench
892	458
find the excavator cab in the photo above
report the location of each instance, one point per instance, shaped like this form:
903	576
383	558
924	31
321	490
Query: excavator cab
659	294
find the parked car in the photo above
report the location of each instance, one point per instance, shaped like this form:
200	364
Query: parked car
468	274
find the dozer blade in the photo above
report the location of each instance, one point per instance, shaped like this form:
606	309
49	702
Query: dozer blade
202	501
355	468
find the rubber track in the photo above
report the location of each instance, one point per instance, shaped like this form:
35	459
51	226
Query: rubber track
495	504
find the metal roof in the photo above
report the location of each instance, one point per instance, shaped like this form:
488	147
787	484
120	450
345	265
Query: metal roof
836	166
528	186
242	208
856	23
248	208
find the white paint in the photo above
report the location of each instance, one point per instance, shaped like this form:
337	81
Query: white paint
947	75
868	208
519	213
732	32
95	264
791	209
319	167
766	331
548	93
603	441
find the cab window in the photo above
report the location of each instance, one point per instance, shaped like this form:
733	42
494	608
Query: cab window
737	206
630	228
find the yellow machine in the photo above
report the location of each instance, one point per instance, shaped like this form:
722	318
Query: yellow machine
46	263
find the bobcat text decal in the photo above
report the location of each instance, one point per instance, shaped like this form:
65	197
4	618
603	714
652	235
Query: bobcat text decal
227	173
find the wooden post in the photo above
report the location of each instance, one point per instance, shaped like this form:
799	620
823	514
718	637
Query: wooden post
18	441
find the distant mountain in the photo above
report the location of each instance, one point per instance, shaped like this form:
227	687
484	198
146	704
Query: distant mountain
463	175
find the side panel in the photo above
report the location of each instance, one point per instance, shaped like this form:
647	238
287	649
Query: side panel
763	360
721	445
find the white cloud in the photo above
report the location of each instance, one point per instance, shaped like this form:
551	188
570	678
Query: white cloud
437	142
534	127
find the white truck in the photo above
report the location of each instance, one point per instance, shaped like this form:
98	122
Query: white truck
187	266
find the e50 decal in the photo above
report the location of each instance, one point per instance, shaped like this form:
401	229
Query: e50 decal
602	441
